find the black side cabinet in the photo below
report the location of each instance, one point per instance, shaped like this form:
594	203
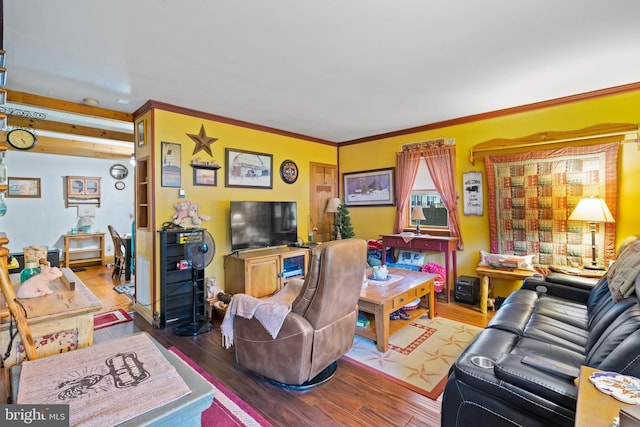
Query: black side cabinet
177	276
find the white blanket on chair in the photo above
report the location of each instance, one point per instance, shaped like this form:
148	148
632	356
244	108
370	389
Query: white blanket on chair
270	312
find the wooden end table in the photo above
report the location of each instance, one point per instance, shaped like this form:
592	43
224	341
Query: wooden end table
487	272
382	300
594	408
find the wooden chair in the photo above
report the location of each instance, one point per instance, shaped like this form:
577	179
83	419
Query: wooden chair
15	310
118	254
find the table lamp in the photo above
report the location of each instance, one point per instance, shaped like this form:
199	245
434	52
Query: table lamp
592	210
417	215
332	207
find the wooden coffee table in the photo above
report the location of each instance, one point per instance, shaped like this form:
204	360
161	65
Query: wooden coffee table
382	300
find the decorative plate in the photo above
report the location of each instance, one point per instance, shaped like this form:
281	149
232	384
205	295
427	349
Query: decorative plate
623	387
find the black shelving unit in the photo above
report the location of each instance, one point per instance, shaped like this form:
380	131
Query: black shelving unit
176	283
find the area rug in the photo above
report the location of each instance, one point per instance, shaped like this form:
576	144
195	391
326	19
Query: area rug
227	409
110	318
420	354
128	289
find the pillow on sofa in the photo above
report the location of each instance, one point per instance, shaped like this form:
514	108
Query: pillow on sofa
518	262
622	274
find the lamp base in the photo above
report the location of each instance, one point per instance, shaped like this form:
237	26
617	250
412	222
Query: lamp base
593	267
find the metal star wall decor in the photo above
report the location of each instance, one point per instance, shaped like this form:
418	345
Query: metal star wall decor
203	142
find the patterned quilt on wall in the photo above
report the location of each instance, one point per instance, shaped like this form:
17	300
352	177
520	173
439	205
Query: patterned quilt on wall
531	196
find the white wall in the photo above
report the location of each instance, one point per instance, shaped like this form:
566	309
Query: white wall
43	221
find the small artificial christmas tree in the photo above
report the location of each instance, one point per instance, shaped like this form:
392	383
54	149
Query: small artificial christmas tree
343	228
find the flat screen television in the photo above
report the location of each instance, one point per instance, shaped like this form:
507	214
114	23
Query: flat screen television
263	224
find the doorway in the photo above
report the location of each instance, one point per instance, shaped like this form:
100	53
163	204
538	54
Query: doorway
323	185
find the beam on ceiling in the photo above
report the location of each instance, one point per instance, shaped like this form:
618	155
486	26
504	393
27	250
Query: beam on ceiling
69	147
72	107
67	128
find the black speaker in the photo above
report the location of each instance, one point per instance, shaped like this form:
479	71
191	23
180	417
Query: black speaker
467	289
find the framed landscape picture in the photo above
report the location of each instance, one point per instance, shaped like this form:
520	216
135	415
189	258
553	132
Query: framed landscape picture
208	177
369	188
23	187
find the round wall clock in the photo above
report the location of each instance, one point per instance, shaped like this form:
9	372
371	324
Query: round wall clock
119	185
21	139
289	171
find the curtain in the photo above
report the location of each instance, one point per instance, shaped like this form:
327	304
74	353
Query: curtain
440	160
441	164
407	163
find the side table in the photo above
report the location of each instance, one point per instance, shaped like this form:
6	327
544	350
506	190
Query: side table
594	408
582	272
487	272
92	251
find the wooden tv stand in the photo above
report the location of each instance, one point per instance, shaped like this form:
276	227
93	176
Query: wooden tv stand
263	272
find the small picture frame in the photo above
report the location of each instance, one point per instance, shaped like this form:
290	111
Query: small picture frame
205	177
141	133
472	196
370	188
248	169
23	187
171	164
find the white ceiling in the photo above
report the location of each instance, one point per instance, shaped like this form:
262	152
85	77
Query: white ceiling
332	69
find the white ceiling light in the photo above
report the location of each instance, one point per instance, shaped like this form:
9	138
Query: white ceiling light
90	101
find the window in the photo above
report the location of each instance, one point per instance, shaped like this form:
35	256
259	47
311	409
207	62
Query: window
425	195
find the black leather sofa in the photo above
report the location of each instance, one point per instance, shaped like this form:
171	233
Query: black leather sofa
521	369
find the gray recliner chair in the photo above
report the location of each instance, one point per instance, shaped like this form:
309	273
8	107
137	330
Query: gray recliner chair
321	325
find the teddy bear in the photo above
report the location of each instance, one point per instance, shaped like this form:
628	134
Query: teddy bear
38	285
182	212
196	218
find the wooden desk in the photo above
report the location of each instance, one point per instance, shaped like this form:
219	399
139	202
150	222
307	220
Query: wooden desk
55	320
382	300
445	244
594	408
70	248
487	272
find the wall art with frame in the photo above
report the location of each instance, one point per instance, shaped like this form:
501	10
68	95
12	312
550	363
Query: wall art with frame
206	177
248	169
472	196
23	187
141	133
369	188
171	161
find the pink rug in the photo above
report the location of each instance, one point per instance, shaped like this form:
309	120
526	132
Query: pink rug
110	318
227	409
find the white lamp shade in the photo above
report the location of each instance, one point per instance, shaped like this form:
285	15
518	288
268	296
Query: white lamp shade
417	213
591	209
333	205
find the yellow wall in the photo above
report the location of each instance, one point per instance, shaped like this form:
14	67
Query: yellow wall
214	201
369	222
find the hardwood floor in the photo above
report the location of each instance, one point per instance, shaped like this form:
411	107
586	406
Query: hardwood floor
354	397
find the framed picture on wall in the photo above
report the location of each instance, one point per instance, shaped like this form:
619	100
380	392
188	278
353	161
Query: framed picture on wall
208	177
141	133
171	169
369	188
248	169
23	187
473	200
